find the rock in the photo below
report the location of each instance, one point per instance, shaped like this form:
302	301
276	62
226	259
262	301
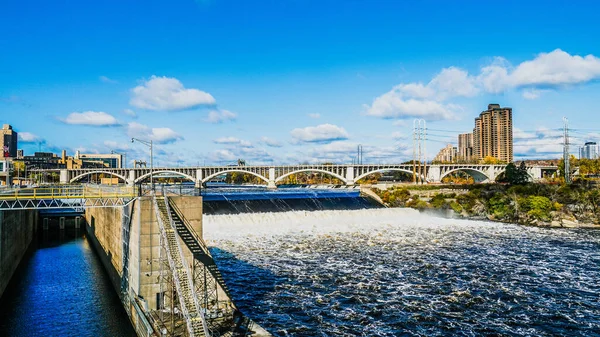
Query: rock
568	223
555	223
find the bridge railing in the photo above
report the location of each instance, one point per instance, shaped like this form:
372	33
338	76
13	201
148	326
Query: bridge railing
70	192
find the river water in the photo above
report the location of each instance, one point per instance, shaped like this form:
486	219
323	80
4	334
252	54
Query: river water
396	272
62	289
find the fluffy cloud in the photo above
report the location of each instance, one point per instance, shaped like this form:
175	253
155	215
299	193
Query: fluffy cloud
158	135
28	137
556	68
324	133
428	101
92	118
393	105
220	116
270	142
165	93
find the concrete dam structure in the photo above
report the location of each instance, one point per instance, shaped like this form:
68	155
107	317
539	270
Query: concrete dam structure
17	229
159	264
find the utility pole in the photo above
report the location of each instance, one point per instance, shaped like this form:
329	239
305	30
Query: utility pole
566	156
419	149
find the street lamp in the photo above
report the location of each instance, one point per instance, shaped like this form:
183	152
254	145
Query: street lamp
149	144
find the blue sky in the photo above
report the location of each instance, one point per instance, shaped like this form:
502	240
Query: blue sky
293	81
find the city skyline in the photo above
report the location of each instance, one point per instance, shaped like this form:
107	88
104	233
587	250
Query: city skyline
294	82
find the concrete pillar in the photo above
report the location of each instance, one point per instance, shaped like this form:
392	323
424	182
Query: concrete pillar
350	175
61	222
272	178
64	176
77	222
434	174
199	177
131	178
45	224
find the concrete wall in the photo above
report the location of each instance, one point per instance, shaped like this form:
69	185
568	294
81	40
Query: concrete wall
17	229
105	226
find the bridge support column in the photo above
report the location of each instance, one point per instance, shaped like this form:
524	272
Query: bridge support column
434	174
198	181
350	175
535	173
64	176
271	178
131	178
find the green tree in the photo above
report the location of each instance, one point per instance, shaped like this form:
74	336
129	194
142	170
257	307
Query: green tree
516	175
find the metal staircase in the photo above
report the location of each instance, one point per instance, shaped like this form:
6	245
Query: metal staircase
223	318
182	278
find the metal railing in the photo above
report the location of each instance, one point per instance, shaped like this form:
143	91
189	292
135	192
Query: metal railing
69	192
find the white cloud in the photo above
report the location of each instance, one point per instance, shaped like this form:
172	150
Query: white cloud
531	94
556	68
28	137
270	142
314	115
130	113
92	118
453	82
220	116
165	93
107	80
393	105
323	133
223	155
232	140
158	135
520	134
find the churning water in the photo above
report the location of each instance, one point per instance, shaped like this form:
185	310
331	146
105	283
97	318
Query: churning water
396	272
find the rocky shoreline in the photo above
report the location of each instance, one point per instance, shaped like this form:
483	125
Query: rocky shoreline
549	206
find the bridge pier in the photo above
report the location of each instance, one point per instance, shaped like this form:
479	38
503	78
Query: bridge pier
350	175
271	183
434	174
199	177
64	176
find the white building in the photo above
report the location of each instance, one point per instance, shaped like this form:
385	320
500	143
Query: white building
589	151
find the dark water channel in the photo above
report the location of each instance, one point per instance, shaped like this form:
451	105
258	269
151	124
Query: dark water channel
62	289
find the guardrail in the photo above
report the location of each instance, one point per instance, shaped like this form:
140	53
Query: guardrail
69	192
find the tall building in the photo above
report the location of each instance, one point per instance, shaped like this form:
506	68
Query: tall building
589	151
493	134
8	141
447	154
465	147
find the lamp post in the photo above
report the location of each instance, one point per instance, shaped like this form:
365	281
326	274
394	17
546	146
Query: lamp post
149	144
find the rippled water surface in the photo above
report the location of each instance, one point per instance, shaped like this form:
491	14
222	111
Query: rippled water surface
395	272
61	289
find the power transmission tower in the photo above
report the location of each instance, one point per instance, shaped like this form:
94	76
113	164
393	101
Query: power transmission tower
566	156
419	149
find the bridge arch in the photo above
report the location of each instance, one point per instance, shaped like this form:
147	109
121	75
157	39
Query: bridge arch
79	177
478	175
155	173
278	179
385	170
235	170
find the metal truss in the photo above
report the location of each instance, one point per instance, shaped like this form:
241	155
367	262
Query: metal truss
75	204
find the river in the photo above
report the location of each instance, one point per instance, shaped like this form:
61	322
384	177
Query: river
396	272
62	289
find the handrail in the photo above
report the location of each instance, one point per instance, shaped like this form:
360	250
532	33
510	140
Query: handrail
175	274
186	223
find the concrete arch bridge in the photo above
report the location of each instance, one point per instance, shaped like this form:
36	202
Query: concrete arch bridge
273	174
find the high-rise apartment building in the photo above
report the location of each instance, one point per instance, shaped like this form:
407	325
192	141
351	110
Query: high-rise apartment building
446	155
493	134
465	147
8	141
589	151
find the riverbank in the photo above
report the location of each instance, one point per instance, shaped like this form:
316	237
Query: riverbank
570	206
